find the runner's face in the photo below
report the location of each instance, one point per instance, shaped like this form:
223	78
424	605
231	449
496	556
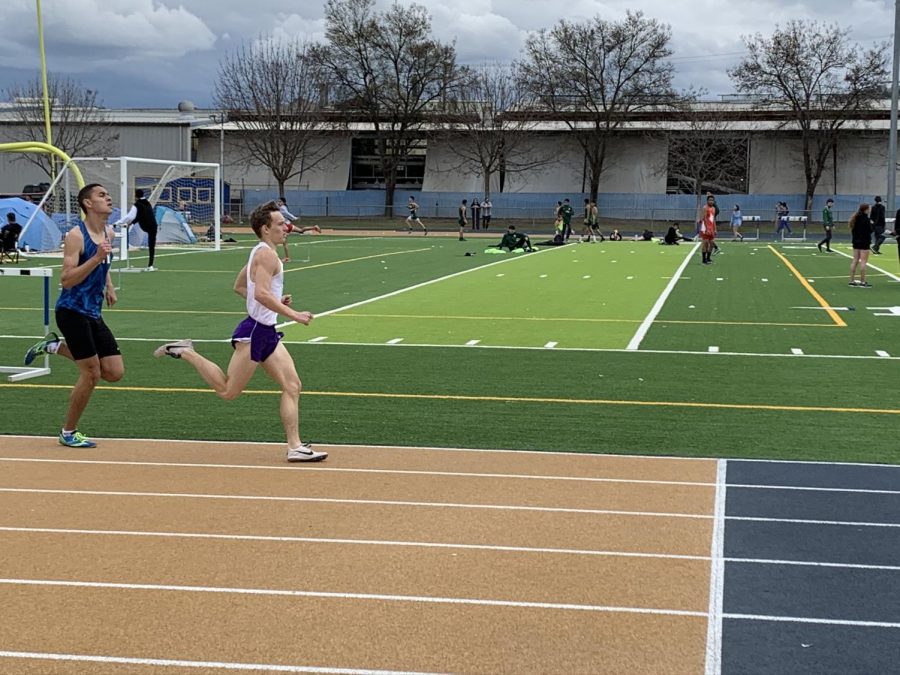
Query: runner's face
278	227
99	202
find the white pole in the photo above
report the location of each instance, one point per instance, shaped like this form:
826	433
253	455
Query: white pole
892	149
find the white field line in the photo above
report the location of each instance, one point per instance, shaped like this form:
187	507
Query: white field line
870	266
205	665
425	599
472	343
642	330
438	545
395	341
716	576
415	286
674	352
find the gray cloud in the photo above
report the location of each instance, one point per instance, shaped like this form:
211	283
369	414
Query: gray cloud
153	53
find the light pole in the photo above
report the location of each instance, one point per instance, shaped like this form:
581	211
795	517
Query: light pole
892	149
221	118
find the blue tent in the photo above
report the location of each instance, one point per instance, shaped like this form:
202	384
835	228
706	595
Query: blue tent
173	229
42	234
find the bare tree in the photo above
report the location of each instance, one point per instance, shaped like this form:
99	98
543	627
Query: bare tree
813	74
594	74
390	72
79	124
704	153
272	91
490	132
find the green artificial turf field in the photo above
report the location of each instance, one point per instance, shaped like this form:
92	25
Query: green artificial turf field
613	347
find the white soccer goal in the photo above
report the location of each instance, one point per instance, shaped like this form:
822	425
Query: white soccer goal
187	197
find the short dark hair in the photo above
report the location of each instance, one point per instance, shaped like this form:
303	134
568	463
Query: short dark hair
512	227
85	193
464	201
877	200
829	201
11	216
139	194
262	216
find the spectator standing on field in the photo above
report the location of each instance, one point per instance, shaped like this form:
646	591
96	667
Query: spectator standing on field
828	224
861	235
567	212
782	214
486	207
142	212
461	218
476	214
878	225
737	220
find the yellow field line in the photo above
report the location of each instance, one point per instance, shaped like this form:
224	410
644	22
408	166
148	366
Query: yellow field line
350	260
498	399
569	319
812	291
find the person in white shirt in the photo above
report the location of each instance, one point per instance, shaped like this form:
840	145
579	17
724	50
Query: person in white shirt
486	207
255	340
142	212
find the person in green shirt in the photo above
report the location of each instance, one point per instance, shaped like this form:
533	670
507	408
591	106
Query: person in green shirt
512	240
828	224
566	211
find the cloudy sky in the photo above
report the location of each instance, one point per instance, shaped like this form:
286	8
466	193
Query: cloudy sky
155	53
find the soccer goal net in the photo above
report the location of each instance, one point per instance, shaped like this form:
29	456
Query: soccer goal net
186	196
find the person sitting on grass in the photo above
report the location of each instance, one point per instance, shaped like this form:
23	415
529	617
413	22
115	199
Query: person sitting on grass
673	236
615	235
513	240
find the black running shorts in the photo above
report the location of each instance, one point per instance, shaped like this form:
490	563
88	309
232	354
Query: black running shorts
85	336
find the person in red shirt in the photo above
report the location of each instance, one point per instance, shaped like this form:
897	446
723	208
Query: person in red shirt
708	229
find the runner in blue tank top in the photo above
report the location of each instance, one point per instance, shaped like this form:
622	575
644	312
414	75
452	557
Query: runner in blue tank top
86	285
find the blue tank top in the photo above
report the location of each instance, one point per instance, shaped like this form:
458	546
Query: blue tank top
87	297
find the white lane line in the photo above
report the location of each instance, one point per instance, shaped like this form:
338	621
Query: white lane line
324	469
716	576
796	351
804	619
367	502
472	343
439	545
642	330
394	341
550	345
807	521
206	665
415	286
882	353
461	474
318	339
356	542
713	349
426	599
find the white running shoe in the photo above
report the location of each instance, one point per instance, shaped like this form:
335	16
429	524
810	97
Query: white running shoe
305	453
173	349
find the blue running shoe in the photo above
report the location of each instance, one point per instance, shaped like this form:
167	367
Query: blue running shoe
76	440
40	347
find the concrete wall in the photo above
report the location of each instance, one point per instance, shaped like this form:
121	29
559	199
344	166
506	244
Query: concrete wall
149	141
330	174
